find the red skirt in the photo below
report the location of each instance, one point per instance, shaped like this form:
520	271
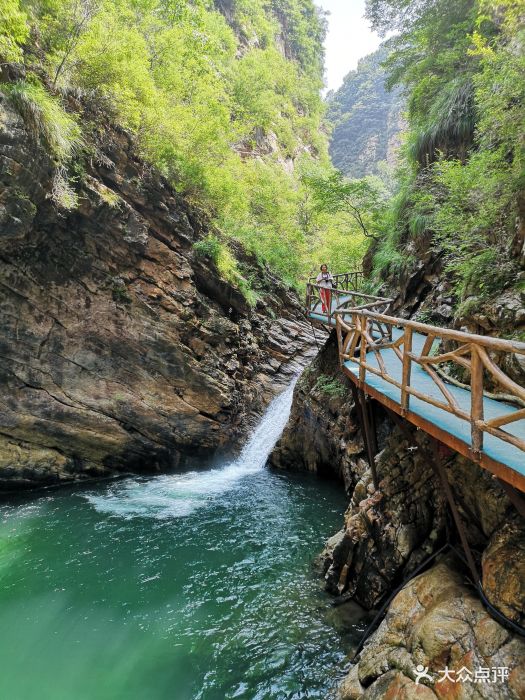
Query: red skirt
326	299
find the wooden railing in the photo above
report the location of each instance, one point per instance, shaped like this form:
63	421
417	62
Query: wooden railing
363	331
348	281
342	299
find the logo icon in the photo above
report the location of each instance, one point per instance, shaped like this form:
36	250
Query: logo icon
422	672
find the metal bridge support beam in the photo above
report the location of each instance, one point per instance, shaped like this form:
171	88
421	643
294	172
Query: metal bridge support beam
514	496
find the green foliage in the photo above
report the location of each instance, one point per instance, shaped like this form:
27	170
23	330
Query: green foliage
483	274
62	192
267	95
213	248
426	316
331	386
334	214
366	118
475	219
448	127
364	200
111	198
464	68
430	58
46	118
209	247
305	29
113	59
389	260
14	30
219	95
120	293
266	218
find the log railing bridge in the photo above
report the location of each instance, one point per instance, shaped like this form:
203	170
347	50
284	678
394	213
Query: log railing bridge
455	386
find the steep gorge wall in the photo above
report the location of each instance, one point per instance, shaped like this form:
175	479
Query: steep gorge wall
387	533
121	349
424	291
367	119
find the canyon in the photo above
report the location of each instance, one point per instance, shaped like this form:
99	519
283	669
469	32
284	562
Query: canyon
122	348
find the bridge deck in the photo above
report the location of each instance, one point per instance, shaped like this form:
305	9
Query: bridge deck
316	314
502	458
494	448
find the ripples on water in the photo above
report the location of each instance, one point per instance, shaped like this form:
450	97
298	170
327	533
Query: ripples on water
194	586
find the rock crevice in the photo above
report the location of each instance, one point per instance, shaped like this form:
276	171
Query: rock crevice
121	348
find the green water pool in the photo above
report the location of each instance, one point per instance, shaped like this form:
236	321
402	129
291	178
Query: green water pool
182	587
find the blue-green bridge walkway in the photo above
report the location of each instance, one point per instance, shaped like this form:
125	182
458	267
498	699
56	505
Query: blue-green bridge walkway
458	387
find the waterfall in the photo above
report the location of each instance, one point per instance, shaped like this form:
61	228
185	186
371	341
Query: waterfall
179	495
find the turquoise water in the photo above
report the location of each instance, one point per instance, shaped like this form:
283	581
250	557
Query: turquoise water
186	586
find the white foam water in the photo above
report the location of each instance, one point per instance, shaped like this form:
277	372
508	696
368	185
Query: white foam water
179	495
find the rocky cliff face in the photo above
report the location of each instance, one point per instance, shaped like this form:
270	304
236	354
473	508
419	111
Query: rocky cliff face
367	119
436	622
121	348
424	289
387	533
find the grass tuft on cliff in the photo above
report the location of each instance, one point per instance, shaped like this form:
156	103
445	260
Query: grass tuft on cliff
213	248
330	386
46	118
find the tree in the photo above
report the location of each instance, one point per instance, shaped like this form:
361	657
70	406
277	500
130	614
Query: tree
80	13
363	200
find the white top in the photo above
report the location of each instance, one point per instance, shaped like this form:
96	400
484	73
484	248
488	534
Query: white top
325	279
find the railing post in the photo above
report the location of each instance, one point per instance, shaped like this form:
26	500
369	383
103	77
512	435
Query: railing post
339	334
476	396
362	350
407	369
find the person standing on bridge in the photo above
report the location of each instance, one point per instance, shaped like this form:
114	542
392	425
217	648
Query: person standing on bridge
325	281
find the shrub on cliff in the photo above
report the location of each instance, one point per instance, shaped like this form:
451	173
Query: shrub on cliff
14	30
46	118
48	121
221	103
213	248
463	67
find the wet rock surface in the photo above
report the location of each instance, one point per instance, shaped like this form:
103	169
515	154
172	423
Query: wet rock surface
322	434
120	348
390	531
435	623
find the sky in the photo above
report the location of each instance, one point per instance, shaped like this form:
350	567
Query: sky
349	38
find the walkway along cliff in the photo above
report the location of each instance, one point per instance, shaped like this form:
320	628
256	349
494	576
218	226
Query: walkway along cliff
383	409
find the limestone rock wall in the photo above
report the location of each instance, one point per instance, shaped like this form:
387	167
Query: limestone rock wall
322	434
436	622
387	533
120	348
